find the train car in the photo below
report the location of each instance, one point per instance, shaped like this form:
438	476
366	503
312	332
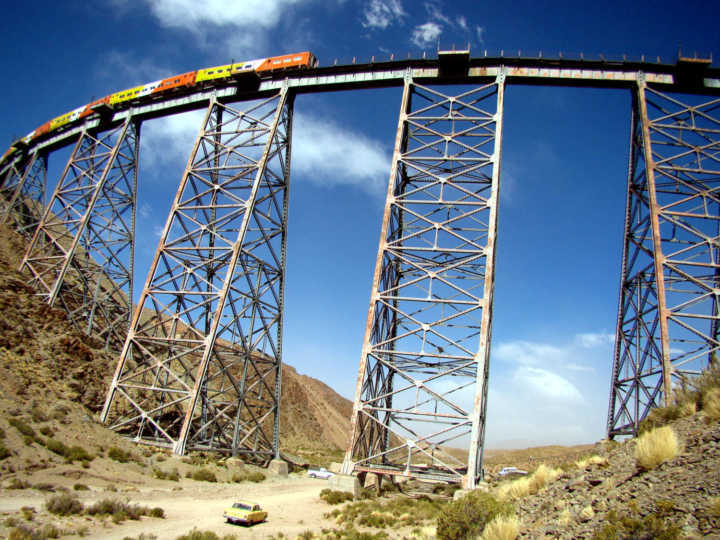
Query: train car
133	93
289	61
176	81
90	107
228	70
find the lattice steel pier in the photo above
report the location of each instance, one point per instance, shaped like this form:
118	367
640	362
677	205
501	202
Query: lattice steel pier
422	383
201	366
668	315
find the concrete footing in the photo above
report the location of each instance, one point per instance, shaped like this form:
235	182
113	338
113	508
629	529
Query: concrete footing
279	467
345	482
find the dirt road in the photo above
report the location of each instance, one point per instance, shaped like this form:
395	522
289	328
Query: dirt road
293	506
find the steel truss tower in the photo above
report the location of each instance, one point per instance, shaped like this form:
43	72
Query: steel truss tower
422	382
668	313
23	194
201	366
82	251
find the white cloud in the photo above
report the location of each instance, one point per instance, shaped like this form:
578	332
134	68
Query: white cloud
169	140
435	13
194	16
323	152
527	353
592	340
426	34
382	13
240	26
572	366
326	153
462	22
546	384
480	31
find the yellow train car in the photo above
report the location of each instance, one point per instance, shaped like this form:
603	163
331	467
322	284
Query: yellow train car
133	93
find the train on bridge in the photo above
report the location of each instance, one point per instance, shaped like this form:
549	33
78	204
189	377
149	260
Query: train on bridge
161	88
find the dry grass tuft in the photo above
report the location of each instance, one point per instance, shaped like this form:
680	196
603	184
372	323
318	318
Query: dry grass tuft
591	460
714	506
528	485
655	447
587	513
502	528
564	518
711	403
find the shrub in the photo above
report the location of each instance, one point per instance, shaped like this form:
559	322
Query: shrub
38	416
2	433
81	487
335	497
4	452
22	427
655	447
18	483
28	512
204	475
468	516
121	511
256	477
157	512
119	455
173	475
43	486
502	528
198	535
63	504
630	527
47	431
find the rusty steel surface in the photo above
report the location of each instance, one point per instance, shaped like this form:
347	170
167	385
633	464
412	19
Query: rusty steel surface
422	383
668	314
201	365
86	235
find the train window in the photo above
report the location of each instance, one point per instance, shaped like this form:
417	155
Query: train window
297	58
276	61
247	66
286	60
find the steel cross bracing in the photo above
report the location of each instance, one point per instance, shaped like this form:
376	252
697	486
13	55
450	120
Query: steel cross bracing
82	251
668	314
23	194
201	366
422	383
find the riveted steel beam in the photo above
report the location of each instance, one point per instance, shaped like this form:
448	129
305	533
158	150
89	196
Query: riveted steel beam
422	382
200	368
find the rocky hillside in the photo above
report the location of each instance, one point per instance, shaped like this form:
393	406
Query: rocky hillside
616	498
45	361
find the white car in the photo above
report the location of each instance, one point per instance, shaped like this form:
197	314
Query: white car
507	471
320	473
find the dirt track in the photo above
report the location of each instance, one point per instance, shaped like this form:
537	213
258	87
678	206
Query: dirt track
293	505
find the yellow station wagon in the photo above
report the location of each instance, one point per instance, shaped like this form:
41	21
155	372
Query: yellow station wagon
245	512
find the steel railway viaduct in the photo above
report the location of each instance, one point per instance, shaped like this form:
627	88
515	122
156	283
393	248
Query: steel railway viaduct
200	352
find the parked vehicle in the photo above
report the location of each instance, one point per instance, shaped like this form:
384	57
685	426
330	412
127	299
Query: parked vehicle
246	513
509	471
322	472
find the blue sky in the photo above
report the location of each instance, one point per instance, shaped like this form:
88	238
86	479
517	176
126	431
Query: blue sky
563	173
